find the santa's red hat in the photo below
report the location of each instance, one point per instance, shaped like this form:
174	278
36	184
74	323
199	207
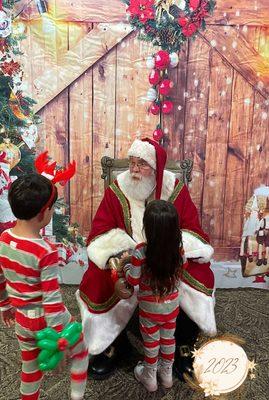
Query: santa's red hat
155	155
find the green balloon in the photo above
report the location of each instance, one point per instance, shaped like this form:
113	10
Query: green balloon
44	356
70	330
41	335
74	339
52	362
43	366
55	359
47	333
47	345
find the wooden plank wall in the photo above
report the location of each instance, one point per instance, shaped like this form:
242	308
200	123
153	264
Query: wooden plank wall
232	12
220	120
221	78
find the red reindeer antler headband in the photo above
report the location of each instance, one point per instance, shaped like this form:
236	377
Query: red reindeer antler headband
48	170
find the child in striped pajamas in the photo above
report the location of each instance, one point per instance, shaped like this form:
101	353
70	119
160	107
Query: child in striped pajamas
30	295
155	267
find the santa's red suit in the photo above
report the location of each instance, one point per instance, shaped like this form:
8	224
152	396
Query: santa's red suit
117	226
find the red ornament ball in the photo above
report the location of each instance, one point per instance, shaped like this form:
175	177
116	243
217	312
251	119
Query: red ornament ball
158	134
165	87
154	77
154	109
162	59
167	106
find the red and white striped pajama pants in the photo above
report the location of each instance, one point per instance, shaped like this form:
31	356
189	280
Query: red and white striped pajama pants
157	322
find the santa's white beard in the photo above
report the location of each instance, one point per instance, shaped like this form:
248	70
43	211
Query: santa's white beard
139	187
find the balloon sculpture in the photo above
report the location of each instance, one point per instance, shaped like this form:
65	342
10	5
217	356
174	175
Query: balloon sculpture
53	344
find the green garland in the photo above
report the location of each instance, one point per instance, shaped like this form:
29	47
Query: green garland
168	23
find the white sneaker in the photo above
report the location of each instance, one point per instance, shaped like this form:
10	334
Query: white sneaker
147	375
165	373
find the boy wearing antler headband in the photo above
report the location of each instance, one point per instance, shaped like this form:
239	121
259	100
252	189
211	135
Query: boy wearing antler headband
29	289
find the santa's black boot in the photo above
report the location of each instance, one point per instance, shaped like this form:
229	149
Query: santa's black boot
186	335
103	365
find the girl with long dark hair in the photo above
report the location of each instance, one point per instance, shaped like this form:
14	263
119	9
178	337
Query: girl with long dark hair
155	266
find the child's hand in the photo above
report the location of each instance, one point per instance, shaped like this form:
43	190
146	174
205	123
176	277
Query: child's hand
124	255
8	317
125	258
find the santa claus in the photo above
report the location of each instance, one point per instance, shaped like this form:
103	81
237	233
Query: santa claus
117	227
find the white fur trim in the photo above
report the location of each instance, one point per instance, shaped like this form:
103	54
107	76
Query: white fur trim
122	180
143	150
168	186
195	248
137	212
100	330
107	245
199	307
262	191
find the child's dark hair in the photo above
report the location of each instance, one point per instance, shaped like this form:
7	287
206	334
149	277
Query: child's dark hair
29	194
164	244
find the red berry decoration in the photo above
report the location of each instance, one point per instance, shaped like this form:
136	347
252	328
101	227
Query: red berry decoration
162	59
154	109
154	77
158	134
165	87
167	106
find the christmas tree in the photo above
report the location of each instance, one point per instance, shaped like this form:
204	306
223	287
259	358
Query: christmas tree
18	126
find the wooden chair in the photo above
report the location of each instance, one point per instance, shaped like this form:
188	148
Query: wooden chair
112	167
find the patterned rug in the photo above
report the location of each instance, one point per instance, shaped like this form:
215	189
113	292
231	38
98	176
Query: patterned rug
243	312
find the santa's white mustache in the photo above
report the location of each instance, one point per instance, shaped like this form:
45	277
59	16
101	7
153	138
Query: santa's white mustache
135	175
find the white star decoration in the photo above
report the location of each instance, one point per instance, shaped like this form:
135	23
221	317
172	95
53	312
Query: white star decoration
196	353
251	365
210	388
231	273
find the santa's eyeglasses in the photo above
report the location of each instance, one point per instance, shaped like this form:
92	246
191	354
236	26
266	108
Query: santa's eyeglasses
139	164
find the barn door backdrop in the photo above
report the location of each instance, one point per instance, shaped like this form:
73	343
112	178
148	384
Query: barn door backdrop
87	71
